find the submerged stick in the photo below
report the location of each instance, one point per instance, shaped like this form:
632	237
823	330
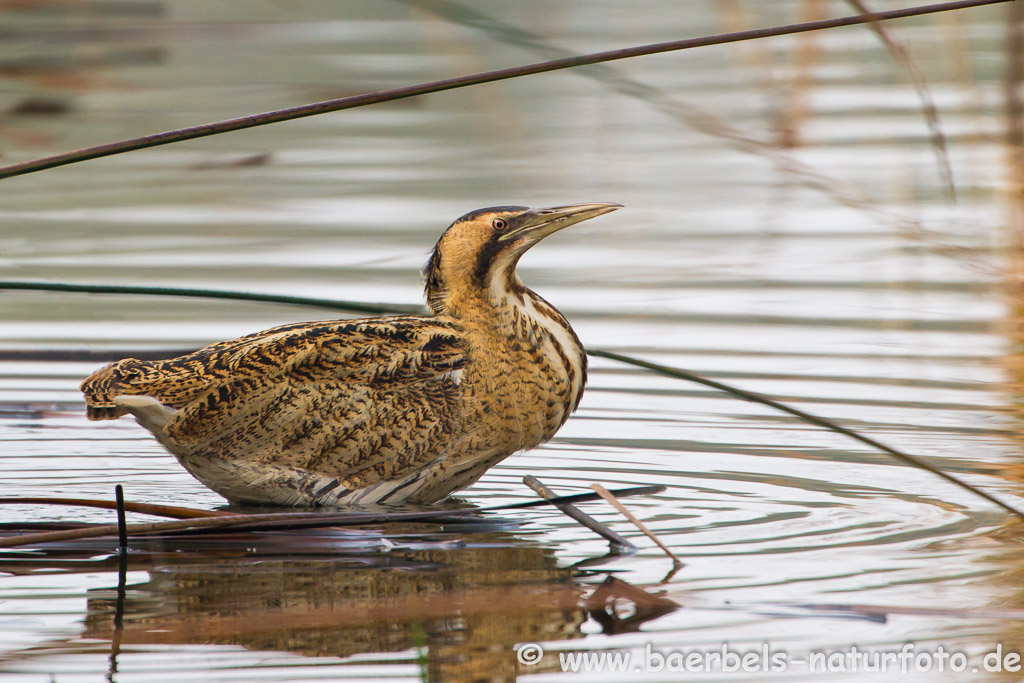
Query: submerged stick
253	120
618	542
807	417
122	523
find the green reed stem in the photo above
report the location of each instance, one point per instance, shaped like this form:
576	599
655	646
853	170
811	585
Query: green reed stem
353	306
253	120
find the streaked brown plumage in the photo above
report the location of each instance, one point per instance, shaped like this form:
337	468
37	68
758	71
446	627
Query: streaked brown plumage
405	408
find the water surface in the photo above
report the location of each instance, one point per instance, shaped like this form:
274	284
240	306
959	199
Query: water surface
786	229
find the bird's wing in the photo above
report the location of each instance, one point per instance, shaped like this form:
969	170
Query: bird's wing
370	396
394	350
358	400
363	351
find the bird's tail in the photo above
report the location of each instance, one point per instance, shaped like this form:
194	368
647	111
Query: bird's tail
150	413
117	379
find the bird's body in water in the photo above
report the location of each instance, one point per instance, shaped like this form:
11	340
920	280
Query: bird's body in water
374	410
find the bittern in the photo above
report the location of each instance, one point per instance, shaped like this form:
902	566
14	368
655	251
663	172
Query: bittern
374	410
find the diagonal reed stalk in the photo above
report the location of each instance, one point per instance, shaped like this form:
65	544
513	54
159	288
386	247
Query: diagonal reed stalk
931	113
807	417
694	115
624	511
253	120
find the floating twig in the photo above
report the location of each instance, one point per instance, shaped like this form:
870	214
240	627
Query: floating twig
100	530
183	512
237	522
619	544
607	495
392	94
141	508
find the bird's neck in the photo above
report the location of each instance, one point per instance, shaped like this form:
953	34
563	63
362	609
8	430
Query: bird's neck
519	320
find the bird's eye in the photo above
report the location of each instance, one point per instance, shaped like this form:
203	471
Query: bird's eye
499	224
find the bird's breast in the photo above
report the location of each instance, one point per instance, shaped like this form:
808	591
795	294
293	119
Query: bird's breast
527	373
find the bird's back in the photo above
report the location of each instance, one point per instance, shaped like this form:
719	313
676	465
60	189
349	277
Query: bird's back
361	401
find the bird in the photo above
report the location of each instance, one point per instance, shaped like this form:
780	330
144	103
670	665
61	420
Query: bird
385	410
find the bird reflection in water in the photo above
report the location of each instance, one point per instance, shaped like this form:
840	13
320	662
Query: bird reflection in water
464	608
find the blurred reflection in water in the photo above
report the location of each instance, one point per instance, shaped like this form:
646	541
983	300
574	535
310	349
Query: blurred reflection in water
464	609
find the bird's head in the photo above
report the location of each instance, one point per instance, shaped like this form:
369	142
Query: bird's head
480	250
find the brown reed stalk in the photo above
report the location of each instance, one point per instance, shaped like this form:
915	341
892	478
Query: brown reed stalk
403	92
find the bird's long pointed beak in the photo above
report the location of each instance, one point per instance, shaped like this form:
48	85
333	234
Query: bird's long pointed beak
539	223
